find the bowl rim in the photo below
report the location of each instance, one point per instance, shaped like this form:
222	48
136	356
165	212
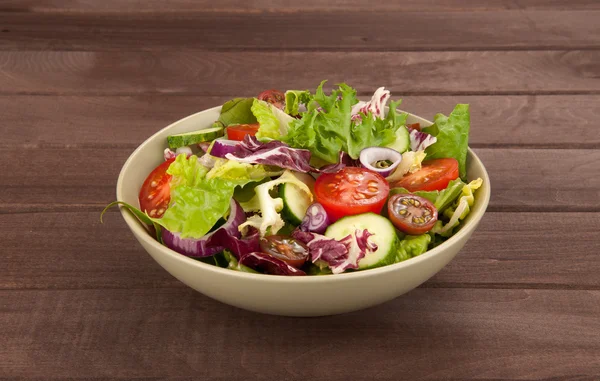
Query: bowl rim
141	233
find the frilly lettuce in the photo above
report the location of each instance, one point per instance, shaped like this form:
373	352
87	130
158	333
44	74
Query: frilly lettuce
327	127
241	173
295	98
273	122
411	246
459	210
269	219
452	134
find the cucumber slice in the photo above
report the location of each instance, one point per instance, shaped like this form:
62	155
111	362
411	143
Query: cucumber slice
384	236
402	142
295	201
195	137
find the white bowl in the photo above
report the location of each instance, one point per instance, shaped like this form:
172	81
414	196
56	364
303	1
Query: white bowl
281	295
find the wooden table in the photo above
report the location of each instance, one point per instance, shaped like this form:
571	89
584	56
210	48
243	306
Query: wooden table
83	82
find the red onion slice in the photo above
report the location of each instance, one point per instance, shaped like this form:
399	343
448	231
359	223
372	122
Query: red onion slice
369	157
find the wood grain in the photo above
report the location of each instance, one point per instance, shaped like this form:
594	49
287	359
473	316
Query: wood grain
85	254
427	334
522	180
556	121
286	6
378	30
244	74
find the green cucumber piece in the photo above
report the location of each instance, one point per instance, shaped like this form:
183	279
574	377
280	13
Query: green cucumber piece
402	142
195	137
295	201
384	236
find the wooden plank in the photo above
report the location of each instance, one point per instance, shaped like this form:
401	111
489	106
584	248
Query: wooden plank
506	251
522	180
243	74
428	334
244	6
557	121
379	30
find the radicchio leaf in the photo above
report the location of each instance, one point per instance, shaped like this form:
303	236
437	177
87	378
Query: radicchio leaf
420	140
268	264
238	246
376	106
339	255
277	153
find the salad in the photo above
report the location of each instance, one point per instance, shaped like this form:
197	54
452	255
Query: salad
302	183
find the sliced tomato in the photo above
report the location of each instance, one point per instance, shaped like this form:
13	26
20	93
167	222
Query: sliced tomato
288	249
350	191
275	97
156	192
412	214
239	131
434	175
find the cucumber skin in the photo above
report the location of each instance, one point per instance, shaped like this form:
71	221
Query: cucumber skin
184	140
402	142
286	212
390	258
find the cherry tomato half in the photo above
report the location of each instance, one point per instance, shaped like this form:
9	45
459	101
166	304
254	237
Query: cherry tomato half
275	97
288	249
412	214
434	175
350	191
156	192
239	131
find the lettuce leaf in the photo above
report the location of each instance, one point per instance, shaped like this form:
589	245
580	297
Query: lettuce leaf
198	202
273	122
293	100
459	210
452	134
240	173
237	111
411	246
327	127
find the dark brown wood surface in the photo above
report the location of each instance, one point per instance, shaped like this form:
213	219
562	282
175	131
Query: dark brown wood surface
85	81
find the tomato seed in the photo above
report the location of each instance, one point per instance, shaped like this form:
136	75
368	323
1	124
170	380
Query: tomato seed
153	184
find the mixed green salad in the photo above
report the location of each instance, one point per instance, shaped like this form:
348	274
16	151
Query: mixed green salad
310	183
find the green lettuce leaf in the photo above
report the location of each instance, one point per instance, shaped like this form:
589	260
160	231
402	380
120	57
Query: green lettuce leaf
459	210
197	201
237	111
452	135
327	128
273	122
295	98
239	173
440	199
411	246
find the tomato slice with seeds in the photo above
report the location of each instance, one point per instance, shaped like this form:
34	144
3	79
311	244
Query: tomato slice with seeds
351	191
275	97
155	194
434	175
412	214
288	249
239	131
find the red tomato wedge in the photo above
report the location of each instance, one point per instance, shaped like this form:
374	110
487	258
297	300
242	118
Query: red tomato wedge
288	249
434	175
412	214
350	191
156	192
239	131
